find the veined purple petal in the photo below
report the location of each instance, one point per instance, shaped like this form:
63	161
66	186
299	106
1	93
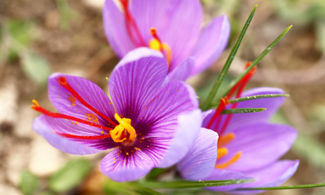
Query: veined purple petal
136	80
126	168
177	22
187	130
65	103
116	33
239	120
271	175
174	118
199	162
260	144
42	126
211	43
182	71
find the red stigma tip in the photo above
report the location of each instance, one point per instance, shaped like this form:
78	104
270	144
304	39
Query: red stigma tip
125	3
35	104
62	80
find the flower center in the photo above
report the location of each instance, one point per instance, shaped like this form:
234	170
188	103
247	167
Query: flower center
123	132
158	45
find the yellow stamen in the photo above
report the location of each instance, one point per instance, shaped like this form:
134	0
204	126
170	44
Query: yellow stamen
225	139
230	162
92	117
158	45
155	44
222	152
124	132
72	100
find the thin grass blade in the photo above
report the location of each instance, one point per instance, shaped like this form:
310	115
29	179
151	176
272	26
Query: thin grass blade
230	58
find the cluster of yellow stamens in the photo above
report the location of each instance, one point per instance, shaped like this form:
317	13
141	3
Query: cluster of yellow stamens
223	151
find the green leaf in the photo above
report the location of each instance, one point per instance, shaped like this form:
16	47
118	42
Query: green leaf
258	59
310	148
256	97
132	188
230	58
66	13
70	176
154	173
190	184
242	110
304	186
28	183
20	31
36	67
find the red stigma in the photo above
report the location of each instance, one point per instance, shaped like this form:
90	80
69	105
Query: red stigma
83	137
239	87
40	109
131	26
63	82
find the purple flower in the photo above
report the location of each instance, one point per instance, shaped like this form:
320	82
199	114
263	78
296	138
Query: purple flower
146	121
172	27
248	147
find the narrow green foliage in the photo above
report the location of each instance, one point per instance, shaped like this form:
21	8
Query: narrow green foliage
305	186
242	110
132	188
190	184
258	59
28	183
70	176
242	99
36	67
230	58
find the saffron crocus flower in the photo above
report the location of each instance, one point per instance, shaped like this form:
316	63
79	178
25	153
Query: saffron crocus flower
248	146
172	27
146	121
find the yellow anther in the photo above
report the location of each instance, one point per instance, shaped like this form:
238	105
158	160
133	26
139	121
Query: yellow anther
124	132
92	117
225	139
156	45
222	152
230	162
72	100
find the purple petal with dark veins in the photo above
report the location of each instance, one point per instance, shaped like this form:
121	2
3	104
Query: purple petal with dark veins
200	160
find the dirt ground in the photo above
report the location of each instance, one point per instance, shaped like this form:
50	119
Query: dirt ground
80	47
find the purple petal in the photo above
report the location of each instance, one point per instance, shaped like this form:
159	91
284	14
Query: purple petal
218	174
211	43
177	23
271	105
116	33
42	126
260	144
121	168
89	91
199	162
136	79
271	175
187	130
182	71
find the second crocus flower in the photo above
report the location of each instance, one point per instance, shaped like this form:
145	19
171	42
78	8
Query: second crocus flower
249	147
172	27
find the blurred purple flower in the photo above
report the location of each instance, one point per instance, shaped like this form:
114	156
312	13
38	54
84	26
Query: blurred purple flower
147	120
170	26
249	147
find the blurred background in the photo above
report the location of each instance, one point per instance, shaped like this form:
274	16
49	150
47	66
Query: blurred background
38	37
